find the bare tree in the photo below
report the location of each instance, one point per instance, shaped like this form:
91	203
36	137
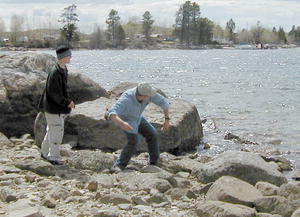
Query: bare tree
16	27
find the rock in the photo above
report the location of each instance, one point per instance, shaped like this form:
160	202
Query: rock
246	166
4	141
39	167
232	190
176	193
296	213
23	208
87	126
296	176
290	191
7	195
283	164
105	213
276	205
115	199
181	165
59	192
267	215
22	80
179	182
49	202
139	201
222	209
158	198
237	139
92	186
91	160
266	188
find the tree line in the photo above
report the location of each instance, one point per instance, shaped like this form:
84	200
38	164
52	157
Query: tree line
190	29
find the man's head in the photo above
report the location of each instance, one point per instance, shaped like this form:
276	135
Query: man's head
64	54
144	91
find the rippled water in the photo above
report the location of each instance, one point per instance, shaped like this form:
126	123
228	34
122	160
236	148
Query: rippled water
254	94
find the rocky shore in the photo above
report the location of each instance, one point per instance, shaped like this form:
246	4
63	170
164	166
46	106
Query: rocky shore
232	184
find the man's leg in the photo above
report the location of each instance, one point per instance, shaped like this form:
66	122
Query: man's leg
151	136
45	144
128	150
55	123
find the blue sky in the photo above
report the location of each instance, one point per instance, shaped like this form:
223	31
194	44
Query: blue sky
244	12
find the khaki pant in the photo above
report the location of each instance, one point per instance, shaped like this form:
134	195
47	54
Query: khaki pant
54	135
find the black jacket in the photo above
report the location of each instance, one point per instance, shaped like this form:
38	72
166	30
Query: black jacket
55	98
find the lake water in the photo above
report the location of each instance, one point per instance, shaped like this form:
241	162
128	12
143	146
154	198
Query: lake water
254	94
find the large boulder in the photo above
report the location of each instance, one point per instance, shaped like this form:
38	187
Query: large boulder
233	190
246	166
87	126
22	80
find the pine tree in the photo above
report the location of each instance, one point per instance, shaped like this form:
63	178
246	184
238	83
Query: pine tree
147	26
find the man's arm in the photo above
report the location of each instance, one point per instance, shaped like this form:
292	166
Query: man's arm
117	120
162	102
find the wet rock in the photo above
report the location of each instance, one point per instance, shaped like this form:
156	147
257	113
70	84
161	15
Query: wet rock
22	82
88	126
249	167
232	190
266	188
296	176
218	208
276	205
237	139
42	168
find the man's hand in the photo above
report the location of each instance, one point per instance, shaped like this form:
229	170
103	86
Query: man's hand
125	126
71	105
166	125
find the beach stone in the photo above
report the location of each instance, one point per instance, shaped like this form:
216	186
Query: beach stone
7	195
22	80
176	193
222	209
246	166
138	200
49	202
92	186
267	215
23	208
4	141
59	192
39	167
266	188
91	160
290	191
276	205
232	190
87	126
157	198
115	199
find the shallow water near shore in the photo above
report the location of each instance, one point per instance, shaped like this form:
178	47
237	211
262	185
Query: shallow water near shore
254	94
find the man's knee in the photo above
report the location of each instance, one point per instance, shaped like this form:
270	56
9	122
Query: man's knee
132	139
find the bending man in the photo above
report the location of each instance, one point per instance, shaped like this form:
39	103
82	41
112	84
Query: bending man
127	113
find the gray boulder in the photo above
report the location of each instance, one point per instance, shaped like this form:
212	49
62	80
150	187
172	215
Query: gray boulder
232	190
222	209
88	128
246	166
22	80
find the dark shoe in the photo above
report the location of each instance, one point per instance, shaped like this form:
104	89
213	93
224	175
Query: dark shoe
56	162
42	156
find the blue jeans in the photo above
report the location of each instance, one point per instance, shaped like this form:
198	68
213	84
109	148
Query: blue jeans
150	134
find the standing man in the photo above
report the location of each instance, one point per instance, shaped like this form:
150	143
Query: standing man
127	113
56	104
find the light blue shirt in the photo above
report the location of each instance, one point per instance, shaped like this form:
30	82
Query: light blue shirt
129	109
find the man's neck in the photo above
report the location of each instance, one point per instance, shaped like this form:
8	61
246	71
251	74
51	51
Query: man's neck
62	65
